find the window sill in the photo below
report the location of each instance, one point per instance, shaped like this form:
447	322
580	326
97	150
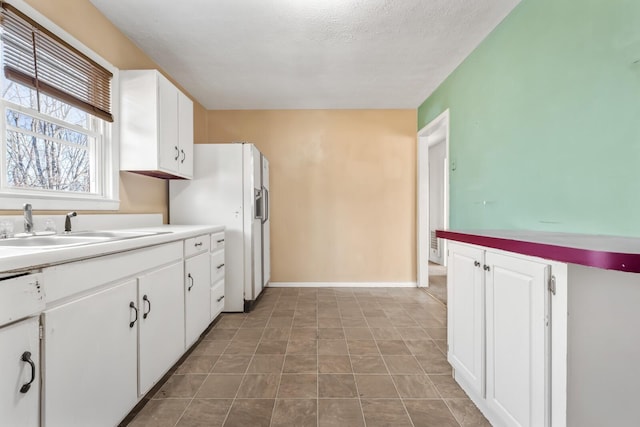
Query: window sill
10	201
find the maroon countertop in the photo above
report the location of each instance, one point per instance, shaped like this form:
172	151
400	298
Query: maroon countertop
607	252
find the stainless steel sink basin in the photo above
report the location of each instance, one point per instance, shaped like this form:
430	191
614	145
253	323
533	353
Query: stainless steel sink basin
75	239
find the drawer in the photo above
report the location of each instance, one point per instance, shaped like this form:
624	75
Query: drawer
196	245
217	266
217	299
20	297
64	280
217	241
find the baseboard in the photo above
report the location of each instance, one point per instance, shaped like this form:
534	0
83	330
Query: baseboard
342	284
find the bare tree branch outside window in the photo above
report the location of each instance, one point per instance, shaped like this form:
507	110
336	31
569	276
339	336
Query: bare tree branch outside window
44	154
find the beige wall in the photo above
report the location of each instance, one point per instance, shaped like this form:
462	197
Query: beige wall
343	190
79	18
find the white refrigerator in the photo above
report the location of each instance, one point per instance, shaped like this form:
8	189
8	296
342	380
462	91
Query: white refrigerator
230	187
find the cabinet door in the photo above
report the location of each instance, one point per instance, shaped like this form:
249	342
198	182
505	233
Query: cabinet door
161	342
465	292
20	408
168	144
517	339
197	292
185	134
90	359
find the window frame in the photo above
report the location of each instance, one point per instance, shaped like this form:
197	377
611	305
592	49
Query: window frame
108	182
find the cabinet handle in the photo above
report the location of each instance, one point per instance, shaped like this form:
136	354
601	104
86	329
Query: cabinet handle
220	299
221	241
220	266
26	357
192	282
146	313
198	244
132	305
476	263
177	152
487	268
184	156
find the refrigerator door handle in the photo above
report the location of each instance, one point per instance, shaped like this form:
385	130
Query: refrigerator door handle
258	196
265	212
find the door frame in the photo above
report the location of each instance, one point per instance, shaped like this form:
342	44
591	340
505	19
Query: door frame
429	135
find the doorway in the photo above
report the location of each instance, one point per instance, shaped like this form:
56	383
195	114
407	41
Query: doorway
433	203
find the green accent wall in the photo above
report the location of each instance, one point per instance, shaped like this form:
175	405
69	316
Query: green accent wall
545	121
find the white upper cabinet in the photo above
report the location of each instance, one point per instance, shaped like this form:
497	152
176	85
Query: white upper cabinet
185	134
156	132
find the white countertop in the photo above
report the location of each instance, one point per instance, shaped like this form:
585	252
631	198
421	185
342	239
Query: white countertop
22	259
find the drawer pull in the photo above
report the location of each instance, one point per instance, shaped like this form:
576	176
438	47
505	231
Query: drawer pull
26	357
198	244
132	305
487	268
192	282
221	241
476	263
220	299
220	266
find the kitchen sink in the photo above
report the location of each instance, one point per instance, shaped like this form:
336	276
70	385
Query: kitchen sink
75	239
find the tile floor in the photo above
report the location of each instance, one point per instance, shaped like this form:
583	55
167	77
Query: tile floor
319	357
438	282
438	287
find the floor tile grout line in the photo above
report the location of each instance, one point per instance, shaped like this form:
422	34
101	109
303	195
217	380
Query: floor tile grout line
205	380
364	419
183	412
392	381
429	377
233	401
275	398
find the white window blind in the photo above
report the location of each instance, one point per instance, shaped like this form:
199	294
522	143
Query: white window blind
37	58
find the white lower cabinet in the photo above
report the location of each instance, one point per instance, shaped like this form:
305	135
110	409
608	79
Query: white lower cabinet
20	374
217	275
161	323
517	340
466	308
197	295
90	359
112	326
499	333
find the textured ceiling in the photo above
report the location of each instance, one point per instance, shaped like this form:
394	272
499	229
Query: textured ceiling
298	54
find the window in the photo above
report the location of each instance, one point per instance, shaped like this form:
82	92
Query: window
57	132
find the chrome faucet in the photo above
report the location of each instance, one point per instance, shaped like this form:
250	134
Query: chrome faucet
28	219
67	221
